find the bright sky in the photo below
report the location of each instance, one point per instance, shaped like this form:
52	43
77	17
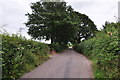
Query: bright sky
12	12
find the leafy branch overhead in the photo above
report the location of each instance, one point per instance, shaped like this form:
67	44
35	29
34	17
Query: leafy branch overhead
58	22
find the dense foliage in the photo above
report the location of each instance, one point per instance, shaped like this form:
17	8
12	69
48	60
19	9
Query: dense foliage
58	22
86	28
57	47
20	55
104	51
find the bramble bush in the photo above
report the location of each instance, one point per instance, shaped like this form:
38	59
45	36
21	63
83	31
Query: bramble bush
104	51
20	55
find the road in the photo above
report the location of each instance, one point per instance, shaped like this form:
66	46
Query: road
68	64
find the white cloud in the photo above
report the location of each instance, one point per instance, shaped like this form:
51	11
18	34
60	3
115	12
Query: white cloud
91	0
99	12
13	12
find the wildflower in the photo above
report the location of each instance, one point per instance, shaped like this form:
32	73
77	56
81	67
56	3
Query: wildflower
29	45
18	48
109	33
22	48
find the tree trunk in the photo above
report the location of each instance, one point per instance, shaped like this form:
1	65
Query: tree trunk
52	40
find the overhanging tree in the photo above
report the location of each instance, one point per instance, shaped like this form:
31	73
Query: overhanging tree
52	21
59	23
87	28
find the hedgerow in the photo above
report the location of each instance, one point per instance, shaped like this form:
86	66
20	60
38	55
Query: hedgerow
57	47
20	55
104	51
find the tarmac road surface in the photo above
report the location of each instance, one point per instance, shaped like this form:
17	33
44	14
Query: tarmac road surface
68	64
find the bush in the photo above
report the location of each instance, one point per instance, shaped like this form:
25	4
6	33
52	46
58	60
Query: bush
103	50
57	47
20	55
79	47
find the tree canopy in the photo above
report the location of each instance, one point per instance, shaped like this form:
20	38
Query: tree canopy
87	28
58	22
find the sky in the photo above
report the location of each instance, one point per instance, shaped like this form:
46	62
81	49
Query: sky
12	13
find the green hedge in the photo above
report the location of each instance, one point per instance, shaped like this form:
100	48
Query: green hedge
57	47
20	55
103	50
